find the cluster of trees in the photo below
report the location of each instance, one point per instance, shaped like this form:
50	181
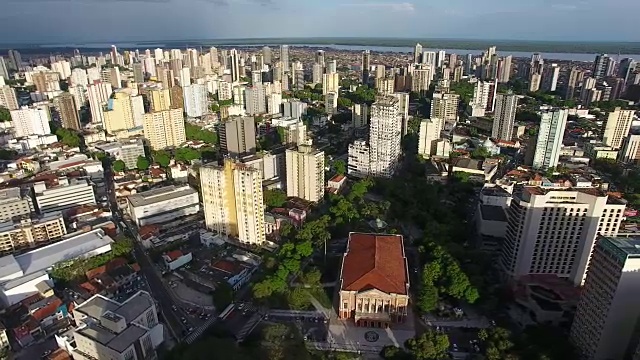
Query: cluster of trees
429	346
309	94
75	270
186	154
274	198
442	275
353	207
141	164
194	132
551	99
340	167
497	344
464	89
363	95
68	137
480	153
5	115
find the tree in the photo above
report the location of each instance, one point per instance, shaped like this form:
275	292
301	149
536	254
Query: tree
5	115
194	132
222	296
162	158
298	299
343	210
142	163
186	154
274	198
429	346
274	338
391	352
428	298
67	137
344	102
119	166
340	166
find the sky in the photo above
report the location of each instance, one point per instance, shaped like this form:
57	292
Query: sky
64	21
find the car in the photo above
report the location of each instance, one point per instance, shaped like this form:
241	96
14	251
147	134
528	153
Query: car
46	353
174	308
190	329
241	306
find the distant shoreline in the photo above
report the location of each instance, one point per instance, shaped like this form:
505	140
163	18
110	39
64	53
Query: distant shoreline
583	47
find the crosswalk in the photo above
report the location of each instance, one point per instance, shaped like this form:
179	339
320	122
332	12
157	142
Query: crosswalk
191	338
248	327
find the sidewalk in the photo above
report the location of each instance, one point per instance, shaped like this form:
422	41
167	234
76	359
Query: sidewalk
316	304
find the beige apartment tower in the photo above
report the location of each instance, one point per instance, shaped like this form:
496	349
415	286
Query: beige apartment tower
66	106
160	99
233	202
164	128
305	173
238	137
119	113
8	97
605	323
445	106
617	127
27	232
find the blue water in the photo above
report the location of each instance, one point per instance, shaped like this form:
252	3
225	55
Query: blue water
545	55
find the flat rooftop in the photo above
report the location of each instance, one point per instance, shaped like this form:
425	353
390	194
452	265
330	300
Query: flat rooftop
10	194
159	195
118	342
621	246
493	213
98	305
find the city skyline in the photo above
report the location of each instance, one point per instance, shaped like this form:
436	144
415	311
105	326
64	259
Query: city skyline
218	19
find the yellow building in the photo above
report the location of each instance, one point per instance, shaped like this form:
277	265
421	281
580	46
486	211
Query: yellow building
233	202
160	99
26	232
119	113
164	128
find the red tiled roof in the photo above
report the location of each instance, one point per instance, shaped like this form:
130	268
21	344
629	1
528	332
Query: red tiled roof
135	267
174	255
374	262
337	178
226	266
48	310
93	273
59	354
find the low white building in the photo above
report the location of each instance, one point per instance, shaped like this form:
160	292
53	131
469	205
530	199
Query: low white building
69	193
175	259
163	204
126	150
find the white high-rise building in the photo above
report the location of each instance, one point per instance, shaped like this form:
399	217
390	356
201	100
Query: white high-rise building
185	77
429	58
422	79
79	77
417	54
331	103
552	230
284	57
98	93
8	98
31	121
484	95
233	201
630	153
549	139
505	69
234	63
274	103
255	100
550	76
385	132
359	160
505	116
605	323
617	127
195	100
445	106
360	115
429	134
330	83
62	67
305	173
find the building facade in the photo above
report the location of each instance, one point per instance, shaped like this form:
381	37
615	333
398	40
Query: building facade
26	232
164	128
549	139
305	173
67	194
238	137
505	115
617	127
163	204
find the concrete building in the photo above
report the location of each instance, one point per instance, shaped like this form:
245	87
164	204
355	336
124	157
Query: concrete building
26	232
255	100
330	82
8	98
98	93
374	281
445	106
233	202
160	99
552	229
294	109
305	173
67	194
331	103
605	323
13	202
119	113
195	100
126	150
31	121
630	153
575	78
549	139
66	107
550	76
164	128
107	329
505	115
484	95
421	80
616	127
238	137
360	115
358	163
603	66
385	132
429	134
163	204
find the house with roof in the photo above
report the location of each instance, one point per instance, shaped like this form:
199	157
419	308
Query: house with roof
175	259
374	281
30	319
236	273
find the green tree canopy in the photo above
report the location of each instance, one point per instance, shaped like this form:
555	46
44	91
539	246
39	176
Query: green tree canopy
162	158
429	346
340	166
275	198
68	137
142	163
119	166
194	132
5	115
186	154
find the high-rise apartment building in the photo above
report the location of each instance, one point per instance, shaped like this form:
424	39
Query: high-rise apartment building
233	201
238	137
505	69
98	93
575	77
234	64
366	66
195	100
603	66
417	54
385	132
4	72
429	134
331	103
255	100
550	77
14	202
330	83
445	106
617	126
552	230
360	115
8	98
505	115
484	95
31	121
630	152
266	55
160	99
605	323
305	173
549	139
27	232
284	58
16	60
625	69
66	107
119	113
164	128
421	80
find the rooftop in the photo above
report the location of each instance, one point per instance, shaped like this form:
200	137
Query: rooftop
375	261
493	213
159	195
621	246
10	194
118	342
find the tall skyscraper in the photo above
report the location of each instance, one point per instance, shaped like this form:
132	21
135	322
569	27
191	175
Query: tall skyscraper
484	95
238	137
114	55
417	54
66	107
505	115
119	113
630	153
549	139
138	72
605	323
98	93
505	69
16	59
552	230
305	173
421	80
617	126
4	72
164	128
445	106
160	99
284	58
195	100
266	55
603	66
440	58
234	63
8	97
255	100
575	77
385	132
366	66
550	77
233	201
429	133
31	121
320	57
625	69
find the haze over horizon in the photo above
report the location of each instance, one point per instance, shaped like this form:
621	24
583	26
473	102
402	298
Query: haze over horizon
151	20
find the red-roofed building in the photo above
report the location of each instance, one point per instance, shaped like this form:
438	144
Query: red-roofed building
236	273
174	259
374	281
